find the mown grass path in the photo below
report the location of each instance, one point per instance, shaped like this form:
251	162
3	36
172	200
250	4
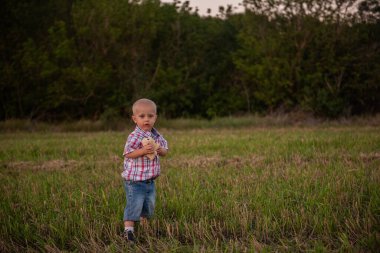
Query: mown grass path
221	190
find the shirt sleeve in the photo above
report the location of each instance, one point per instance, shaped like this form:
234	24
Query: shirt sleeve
163	143
133	143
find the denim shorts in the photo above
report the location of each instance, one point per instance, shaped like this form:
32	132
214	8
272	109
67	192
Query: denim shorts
141	199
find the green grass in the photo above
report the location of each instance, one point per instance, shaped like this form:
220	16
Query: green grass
292	189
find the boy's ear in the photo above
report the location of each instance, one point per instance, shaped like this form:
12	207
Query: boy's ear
134	118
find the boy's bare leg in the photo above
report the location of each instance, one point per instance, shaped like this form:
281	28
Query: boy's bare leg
129	223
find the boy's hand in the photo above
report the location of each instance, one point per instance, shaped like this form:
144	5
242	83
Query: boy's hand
148	149
161	151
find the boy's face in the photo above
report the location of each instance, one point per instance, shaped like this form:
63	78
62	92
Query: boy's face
144	116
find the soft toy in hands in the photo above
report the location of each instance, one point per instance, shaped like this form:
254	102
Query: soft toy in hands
155	146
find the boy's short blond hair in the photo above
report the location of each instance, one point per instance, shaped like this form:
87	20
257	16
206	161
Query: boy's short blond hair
143	101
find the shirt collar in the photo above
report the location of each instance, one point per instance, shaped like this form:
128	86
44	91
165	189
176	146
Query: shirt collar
153	132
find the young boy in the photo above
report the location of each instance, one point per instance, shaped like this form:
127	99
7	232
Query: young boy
140	171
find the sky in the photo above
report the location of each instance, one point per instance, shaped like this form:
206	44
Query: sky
203	5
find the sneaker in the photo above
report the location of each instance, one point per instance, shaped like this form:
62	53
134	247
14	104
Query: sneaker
129	236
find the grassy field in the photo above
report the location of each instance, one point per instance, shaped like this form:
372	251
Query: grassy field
287	189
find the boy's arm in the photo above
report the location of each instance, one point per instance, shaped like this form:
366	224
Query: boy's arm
161	151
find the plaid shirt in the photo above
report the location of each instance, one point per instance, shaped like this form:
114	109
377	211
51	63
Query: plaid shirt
141	168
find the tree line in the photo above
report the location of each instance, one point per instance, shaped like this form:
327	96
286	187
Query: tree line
74	59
